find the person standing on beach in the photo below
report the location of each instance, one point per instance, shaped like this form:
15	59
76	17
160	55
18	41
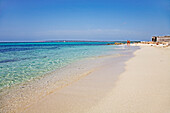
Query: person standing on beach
128	42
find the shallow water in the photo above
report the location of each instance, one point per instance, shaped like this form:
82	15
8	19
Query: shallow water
21	62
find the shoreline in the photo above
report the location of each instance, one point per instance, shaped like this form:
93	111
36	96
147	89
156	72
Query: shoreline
84	93
143	89
37	90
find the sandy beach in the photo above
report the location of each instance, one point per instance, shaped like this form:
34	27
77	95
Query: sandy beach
84	56
142	88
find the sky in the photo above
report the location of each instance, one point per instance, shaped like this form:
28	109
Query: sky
38	20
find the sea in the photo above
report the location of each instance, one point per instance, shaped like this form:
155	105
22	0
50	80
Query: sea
24	61
29	71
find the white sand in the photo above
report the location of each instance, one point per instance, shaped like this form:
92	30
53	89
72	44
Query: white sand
143	88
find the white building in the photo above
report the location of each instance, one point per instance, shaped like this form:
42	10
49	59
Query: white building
161	38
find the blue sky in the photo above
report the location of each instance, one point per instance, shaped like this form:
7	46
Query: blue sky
34	20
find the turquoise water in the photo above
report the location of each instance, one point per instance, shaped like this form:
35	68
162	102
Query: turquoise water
21	62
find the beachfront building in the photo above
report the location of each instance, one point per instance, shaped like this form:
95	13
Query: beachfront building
161	38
